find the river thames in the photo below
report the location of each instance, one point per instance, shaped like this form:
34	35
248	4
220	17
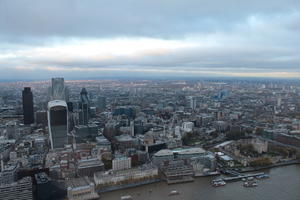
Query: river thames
283	184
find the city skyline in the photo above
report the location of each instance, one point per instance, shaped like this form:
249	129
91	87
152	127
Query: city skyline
124	139
144	100
78	39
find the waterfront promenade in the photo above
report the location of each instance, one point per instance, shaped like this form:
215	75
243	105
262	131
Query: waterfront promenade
283	184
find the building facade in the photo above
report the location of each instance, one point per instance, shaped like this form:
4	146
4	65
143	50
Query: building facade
58	91
85	107
121	163
28	112
58	123
20	190
81	189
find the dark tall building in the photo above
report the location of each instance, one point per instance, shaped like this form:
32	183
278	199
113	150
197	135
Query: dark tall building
84	106
101	103
70	106
28	106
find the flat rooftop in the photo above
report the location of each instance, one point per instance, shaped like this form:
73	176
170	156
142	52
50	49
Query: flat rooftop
78	182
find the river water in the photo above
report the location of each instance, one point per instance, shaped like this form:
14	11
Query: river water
283	184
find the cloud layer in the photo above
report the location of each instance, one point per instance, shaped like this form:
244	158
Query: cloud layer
40	39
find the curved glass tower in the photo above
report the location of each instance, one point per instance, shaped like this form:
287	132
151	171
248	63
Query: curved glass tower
58	123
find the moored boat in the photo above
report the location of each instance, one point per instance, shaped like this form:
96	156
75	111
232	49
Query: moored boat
250	184
218	183
263	176
127	197
174	192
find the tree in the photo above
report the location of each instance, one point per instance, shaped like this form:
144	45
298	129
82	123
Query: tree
188	138
259	131
260	162
235	135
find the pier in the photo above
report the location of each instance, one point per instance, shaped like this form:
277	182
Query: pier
239	177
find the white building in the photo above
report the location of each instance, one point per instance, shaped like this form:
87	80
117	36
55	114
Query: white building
187	126
129	175
121	163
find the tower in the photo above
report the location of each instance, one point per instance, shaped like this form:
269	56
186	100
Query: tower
58	123
85	106
28	113
58	91
101	103
192	102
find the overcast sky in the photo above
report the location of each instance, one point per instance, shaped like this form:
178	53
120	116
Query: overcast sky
105	38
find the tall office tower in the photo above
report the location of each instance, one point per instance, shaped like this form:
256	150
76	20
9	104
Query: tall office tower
101	103
58	91
58	123
12	130
84	106
279	101
70	106
192	102
28	106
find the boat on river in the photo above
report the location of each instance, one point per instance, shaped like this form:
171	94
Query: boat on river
127	197
174	192
218	183
250	184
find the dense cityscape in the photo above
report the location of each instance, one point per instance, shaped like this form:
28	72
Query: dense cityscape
149	100
81	139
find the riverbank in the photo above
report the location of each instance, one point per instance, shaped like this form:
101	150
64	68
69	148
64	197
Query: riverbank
132	185
253	169
283	184
126	186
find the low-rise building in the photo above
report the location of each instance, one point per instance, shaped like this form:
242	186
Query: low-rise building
121	163
142	173
103	143
187	126
181	153
8	174
87	167
81	189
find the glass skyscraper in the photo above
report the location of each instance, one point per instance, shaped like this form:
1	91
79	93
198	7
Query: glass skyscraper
58	123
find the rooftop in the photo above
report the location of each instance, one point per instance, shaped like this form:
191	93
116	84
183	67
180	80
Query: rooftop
189	151
164	152
57	103
89	163
124	138
78	182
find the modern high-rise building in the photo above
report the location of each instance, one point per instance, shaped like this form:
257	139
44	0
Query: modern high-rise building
12	131
28	106
101	103
193	102
84	106
58	123
19	190
58	91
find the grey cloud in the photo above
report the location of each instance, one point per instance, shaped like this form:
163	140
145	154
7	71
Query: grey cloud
107	18
256	58
271	43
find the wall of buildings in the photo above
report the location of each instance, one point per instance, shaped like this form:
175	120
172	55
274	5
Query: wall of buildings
126	176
